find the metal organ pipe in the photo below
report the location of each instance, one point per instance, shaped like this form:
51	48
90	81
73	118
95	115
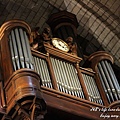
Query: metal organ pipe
45	72
61	80
90	88
12	53
63	73
26	57
42	68
72	80
20	52
39	70
15	48
66	77
28	49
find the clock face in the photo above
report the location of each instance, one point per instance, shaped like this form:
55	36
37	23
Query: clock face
60	44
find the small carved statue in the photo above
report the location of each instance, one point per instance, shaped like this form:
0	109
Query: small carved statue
34	38
46	35
38	40
72	46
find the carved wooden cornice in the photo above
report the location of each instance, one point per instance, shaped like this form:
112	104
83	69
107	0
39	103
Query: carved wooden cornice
11	24
62	54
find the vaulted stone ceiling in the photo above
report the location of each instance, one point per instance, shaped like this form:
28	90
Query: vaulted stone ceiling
99	20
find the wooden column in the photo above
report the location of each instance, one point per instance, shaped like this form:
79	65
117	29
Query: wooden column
54	83
82	81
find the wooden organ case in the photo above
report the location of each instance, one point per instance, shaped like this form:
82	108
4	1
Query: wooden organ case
30	77
21	96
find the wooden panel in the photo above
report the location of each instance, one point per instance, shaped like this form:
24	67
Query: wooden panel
70	104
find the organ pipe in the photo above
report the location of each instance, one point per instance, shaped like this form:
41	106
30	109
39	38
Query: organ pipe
28	50
12	54
72	84
62	75
26	57
15	50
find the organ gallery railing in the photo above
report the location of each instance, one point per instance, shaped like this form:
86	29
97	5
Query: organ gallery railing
70	79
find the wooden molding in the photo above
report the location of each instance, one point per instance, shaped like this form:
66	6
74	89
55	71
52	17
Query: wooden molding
64	55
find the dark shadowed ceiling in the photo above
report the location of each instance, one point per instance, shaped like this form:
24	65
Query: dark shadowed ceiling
99	20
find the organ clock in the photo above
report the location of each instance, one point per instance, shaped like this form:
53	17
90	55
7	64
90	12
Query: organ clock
37	85
60	44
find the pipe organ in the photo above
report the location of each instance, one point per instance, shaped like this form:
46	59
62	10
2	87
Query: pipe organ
33	82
